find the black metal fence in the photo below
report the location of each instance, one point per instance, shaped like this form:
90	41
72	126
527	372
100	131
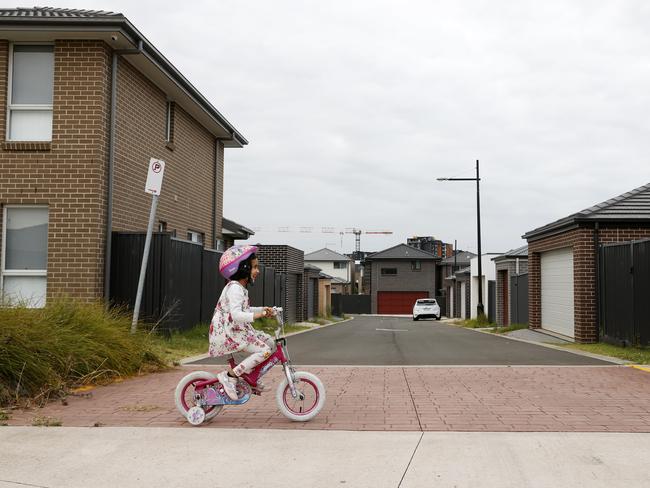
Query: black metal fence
183	282
352	304
625	292
519	299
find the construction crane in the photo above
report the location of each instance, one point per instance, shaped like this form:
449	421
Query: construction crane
357	238
329	230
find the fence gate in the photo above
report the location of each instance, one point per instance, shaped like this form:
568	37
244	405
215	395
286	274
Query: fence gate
519	299
624	291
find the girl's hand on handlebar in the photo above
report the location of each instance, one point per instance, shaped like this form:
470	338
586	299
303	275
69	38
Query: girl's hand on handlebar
269	312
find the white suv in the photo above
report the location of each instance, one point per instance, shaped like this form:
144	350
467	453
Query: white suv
426	307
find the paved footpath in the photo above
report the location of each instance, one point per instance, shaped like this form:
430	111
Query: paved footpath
471	399
171	457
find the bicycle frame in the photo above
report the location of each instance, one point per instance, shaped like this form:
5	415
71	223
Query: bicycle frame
279	356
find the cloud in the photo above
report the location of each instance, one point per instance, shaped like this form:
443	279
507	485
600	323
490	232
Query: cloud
353	109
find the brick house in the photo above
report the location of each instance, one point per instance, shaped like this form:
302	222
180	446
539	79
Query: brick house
509	268
290	262
563	262
398	277
85	101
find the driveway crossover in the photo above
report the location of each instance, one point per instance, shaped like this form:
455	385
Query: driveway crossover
497	399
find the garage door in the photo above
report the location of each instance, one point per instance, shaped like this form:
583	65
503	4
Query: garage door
398	302
557	291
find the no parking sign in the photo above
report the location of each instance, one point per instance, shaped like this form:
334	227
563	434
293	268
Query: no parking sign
155	176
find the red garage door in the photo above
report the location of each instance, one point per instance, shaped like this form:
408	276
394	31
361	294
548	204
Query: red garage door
398	302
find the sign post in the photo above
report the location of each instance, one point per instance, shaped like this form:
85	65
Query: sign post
153	185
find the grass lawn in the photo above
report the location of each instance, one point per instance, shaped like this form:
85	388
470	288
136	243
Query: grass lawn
637	355
473	323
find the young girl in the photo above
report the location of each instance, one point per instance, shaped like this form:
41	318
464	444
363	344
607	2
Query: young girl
231	329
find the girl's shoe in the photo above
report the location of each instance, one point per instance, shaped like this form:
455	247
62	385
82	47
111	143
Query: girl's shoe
228	386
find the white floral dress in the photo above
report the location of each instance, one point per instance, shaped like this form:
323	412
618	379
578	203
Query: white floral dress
231	329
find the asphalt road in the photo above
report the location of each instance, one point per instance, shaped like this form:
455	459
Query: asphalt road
388	341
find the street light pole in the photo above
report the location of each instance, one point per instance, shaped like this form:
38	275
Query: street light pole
480	309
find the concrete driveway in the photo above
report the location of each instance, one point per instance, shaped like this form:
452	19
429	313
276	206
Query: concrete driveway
393	341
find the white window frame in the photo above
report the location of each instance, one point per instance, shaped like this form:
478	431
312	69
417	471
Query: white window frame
24	107
198	234
17	272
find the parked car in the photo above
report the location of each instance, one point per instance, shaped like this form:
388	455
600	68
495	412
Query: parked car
426	307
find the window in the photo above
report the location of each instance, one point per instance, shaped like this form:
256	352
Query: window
220	245
24	255
162	226
169	123
416	265
388	271
31	83
340	265
195	236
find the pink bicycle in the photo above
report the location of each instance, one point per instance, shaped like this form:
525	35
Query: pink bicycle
300	396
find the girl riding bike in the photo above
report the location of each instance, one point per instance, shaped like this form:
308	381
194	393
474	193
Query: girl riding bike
231	330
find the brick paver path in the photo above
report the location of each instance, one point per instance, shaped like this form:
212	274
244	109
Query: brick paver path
583	399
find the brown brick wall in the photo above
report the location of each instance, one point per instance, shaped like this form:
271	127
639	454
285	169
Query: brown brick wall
581	240
67	174
187	191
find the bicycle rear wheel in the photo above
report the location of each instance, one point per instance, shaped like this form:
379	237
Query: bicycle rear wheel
184	394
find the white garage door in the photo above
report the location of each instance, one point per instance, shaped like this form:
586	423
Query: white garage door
557	291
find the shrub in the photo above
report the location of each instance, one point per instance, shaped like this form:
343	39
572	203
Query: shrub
44	352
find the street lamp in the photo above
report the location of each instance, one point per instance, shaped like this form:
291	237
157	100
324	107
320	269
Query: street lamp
480	310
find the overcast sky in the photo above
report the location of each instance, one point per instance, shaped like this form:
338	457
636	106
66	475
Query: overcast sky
354	108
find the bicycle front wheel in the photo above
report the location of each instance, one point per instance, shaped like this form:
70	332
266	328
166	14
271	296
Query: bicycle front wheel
309	400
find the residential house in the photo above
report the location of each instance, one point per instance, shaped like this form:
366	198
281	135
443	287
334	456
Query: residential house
451	286
563	262
462	293
231	232
85	102
398	277
338	266
512	287
324	295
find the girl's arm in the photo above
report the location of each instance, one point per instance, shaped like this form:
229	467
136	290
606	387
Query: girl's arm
236	298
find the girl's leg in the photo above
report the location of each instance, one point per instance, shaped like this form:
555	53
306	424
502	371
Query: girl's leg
261	351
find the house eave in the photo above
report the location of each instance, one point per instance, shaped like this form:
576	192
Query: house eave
119	34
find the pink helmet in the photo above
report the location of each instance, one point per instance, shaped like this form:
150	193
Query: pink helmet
233	257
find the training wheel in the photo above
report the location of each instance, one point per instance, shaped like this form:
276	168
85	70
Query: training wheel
195	415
